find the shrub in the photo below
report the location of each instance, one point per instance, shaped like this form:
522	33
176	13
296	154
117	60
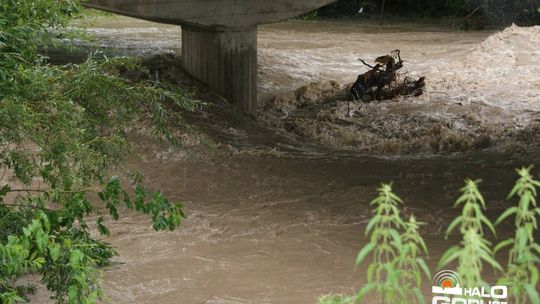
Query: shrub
524	257
64	128
395	274
474	249
410	261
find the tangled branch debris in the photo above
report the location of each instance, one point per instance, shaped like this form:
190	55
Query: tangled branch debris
382	82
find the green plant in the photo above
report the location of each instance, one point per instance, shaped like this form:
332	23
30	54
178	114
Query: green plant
458	7
62	132
396	271
474	250
524	257
385	241
395	274
411	262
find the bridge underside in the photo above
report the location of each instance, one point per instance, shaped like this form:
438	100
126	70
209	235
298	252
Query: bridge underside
219	37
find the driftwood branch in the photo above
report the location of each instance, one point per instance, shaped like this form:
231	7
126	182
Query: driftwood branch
366	64
382	81
473	12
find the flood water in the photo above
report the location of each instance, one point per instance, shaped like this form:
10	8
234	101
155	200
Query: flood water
270	230
266	229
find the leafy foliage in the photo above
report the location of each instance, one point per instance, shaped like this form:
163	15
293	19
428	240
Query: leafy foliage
384	226
524	257
62	131
491	12
23	29
395	274
472	217
411	261
474	249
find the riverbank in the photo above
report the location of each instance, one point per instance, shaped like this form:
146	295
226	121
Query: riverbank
464	15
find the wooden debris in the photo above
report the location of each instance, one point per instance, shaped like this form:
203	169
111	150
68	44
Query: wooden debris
382	81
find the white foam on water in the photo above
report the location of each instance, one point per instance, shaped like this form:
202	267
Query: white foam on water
502	71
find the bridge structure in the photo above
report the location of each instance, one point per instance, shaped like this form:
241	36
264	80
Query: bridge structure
219	37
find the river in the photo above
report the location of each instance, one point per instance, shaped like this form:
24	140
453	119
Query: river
285	228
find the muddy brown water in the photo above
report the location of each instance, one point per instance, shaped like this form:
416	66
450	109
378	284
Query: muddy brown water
266	229
270	230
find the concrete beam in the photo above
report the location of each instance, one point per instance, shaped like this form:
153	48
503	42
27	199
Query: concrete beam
219	37
210	14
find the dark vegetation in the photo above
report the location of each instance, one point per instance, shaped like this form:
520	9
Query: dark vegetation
467	14
62	134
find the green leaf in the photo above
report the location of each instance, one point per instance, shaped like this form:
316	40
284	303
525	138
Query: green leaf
4	190
505	214
54	251
424	267
450	255
503	244
103	230
486	221
419	295
75	258
364	252
453	225
487	258
395	237
366	289
532	293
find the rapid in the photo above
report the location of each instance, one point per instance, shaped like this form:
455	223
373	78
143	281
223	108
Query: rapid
282	222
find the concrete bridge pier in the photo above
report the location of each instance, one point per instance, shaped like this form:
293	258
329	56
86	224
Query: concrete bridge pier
224	60
219	36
